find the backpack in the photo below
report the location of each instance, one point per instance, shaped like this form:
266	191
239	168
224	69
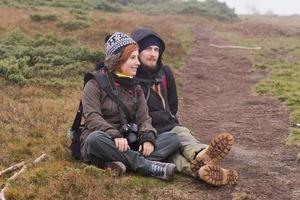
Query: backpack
76	128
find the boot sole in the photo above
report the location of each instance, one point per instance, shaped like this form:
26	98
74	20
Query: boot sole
218	176
216	151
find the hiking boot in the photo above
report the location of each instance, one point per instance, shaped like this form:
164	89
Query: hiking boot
117	167
164	171
216	151
217	176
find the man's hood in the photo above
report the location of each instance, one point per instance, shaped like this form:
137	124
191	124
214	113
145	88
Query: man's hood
141	33
138	35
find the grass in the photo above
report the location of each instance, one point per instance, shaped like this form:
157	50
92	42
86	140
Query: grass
82	182
212	9
52	61
280	56
179	46
35	116
35	121
283	79
73	25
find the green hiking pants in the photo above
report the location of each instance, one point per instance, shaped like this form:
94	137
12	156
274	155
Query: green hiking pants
189	147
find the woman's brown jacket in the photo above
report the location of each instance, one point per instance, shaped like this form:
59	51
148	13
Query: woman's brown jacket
101	113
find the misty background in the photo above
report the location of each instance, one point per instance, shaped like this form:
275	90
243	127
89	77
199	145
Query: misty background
269	7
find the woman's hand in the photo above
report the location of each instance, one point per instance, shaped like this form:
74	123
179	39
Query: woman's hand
147	148
121	144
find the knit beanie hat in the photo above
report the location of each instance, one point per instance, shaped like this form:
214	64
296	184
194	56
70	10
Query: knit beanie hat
148	41
114	45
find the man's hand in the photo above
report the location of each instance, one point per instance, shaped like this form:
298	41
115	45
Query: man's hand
121	144
147	148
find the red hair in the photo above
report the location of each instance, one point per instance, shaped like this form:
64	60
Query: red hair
127	51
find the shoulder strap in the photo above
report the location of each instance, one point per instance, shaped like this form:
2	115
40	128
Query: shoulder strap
147	83
104	84
171	90
166	72
77	121
162	75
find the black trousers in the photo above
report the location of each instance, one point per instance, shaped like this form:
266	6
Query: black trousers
99	147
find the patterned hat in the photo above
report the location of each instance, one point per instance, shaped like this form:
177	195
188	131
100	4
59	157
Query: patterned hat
115	43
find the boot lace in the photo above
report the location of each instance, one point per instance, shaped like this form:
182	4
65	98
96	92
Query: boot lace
157	169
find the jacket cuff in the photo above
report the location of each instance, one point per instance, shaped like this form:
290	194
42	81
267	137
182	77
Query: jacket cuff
147	137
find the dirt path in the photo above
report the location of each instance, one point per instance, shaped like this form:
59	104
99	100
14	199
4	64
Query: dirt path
217	97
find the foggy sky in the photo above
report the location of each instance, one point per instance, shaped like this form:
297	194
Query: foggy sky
279	7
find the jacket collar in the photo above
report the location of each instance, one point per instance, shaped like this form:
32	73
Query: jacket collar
124	80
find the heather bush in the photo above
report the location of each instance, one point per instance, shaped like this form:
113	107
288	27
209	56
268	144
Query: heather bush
39	18
73	25
44	60
208	8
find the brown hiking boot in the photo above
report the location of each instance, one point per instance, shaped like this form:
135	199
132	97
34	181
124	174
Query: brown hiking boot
216	151
218	176
117	167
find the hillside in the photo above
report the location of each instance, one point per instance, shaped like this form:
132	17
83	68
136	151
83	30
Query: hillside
45	50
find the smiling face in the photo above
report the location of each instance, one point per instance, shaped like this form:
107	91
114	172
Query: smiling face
149	57
129	68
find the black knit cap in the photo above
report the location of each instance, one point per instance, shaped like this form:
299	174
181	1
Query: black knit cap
149	41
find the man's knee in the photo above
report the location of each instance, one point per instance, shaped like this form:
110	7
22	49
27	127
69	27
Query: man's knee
181	131
171	138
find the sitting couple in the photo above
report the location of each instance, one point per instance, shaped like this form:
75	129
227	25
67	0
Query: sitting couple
141	83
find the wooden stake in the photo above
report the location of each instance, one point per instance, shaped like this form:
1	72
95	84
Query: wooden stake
12	168
39	159
13	177
234	47
7	184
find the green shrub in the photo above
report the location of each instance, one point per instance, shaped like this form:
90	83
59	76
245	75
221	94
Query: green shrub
73	25
44	60
192	9
77	4
80	14
39	18
109	7
209	8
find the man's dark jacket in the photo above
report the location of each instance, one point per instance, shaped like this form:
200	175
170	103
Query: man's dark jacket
163	119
